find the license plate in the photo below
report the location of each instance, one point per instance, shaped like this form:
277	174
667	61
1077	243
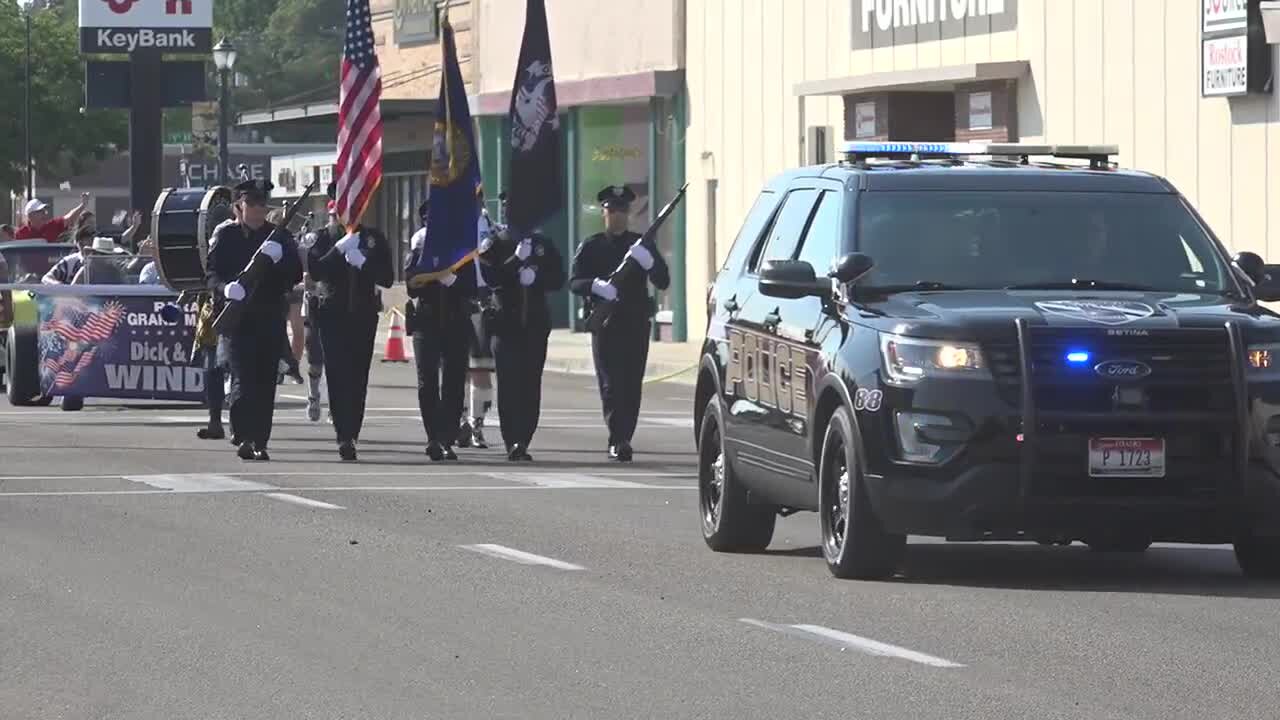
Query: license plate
1126	457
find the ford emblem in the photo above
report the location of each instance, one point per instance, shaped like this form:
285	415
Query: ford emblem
1122	369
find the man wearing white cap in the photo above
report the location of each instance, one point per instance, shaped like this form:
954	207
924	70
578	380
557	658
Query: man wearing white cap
40	225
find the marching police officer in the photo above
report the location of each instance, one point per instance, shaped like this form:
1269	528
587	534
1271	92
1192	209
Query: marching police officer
439	318
530	269
347	268
621	348
255	344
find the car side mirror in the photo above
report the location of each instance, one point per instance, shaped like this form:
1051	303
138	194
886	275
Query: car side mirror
1268	289
1251	265
791	279
851	268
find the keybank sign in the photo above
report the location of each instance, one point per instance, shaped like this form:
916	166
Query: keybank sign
882	23
123	26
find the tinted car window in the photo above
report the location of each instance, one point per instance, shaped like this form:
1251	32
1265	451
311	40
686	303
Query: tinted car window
998	239
822	242
787	229
36	260
751	229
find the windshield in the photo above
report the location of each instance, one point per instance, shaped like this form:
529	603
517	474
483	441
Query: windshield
998	239
20	263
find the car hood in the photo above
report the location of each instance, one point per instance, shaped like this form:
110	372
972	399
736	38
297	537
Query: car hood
964	313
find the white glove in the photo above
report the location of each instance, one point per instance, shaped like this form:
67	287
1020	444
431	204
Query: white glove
486	243
234	291
641	255
355	258
419	239
272	249
604	290
524	249
348	243
527	275
448	280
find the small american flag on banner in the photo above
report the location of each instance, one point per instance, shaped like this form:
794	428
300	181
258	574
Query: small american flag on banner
71	338
359	166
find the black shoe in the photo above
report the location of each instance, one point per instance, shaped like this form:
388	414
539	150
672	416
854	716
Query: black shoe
261	455
235	439
347	451
245	452
515	453
213	432
464	435
435	452
624	452
449	454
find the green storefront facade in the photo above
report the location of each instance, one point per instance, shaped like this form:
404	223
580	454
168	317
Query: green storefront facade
639	143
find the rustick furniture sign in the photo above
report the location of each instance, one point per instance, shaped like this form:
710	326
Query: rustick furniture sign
884	23
123	26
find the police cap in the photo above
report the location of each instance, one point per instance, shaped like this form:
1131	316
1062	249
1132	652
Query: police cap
617	197
254	190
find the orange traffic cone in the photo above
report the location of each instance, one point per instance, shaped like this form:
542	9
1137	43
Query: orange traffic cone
394	351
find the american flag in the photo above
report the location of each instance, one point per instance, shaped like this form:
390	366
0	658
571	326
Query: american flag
359	167
71	338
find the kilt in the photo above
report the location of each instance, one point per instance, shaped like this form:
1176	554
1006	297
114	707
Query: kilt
481	341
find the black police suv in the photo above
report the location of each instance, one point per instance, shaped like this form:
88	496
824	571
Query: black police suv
996	342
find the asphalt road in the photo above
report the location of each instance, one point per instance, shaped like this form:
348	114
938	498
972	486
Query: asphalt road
146	574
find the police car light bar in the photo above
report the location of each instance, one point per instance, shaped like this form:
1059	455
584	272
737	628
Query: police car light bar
859	150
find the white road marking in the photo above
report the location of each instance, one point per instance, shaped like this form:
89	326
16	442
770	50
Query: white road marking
352	474
324	488
505	553
672	422
305	502
199	483
566	480
856	642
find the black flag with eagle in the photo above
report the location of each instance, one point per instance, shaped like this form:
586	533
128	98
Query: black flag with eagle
534	192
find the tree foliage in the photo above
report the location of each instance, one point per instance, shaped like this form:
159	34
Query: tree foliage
289	50
64	141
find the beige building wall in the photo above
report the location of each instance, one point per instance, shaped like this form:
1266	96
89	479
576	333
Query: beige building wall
412	71
589	38
1123	72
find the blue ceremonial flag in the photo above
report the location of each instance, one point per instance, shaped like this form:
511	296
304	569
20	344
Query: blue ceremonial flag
453	203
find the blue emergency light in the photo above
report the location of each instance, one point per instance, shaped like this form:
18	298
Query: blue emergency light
1078	357
913	148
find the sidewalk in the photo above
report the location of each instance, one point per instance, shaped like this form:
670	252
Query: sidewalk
570	352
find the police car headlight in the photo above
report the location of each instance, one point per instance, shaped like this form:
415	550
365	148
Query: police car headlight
1262	362
909	360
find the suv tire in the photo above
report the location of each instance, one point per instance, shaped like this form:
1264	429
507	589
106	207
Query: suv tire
1258	557
730	523
854	542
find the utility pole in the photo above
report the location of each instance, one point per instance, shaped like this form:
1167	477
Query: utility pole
31	166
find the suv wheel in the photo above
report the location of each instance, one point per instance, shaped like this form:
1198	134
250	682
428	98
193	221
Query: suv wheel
729	522
854	542
1259	557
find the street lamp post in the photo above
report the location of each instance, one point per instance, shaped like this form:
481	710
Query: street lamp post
26	103
224	58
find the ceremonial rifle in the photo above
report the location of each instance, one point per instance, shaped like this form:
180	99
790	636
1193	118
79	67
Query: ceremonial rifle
602	309
229	319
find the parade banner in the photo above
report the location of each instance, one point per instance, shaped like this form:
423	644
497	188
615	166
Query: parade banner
108	346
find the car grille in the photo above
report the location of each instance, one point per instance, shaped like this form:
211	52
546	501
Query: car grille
1189	399
1190	370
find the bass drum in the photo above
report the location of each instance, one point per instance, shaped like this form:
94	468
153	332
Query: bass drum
182	224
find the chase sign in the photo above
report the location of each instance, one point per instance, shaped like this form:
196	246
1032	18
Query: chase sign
123	26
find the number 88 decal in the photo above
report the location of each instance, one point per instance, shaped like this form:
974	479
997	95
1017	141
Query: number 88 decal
868	400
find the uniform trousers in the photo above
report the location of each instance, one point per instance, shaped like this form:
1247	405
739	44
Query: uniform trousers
347	339
314	349
441	355
520	355
255	358
214	384
621	352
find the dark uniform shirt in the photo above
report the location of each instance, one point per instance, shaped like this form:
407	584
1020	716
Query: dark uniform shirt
504	275
334	276
434	302
232	247
599	256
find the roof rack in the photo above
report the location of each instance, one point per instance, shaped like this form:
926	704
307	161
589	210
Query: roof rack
1099	156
